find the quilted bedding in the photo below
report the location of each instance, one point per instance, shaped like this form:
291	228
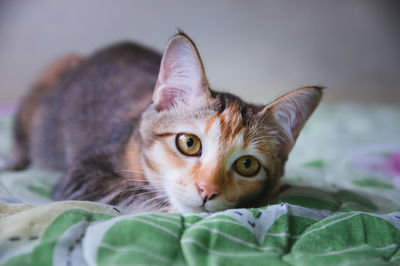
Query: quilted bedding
343	208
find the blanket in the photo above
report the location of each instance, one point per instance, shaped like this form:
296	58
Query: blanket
342	208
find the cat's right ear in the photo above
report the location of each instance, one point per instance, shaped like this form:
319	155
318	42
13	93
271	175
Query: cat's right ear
181	78
291	111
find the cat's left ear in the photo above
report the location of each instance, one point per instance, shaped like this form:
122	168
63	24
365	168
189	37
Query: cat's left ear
181	78
291	111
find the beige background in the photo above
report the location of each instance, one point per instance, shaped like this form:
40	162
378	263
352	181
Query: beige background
257	49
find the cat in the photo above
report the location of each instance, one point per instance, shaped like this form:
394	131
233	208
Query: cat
131	128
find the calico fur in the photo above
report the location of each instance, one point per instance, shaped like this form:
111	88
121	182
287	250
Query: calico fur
109	122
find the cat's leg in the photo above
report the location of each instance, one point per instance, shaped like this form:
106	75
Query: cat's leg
94	177
19	157
91	177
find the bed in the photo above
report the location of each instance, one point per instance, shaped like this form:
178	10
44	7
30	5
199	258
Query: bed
342	208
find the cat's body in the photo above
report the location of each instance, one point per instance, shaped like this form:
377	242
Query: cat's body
120	141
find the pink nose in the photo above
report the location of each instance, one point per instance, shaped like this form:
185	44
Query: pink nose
207	192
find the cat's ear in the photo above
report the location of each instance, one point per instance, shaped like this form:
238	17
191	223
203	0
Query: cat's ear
181	78
291	111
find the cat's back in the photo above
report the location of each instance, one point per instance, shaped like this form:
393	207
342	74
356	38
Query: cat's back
97	104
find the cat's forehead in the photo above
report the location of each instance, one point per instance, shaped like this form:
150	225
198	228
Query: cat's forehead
243	124
229	123
229	108
229	111
225	117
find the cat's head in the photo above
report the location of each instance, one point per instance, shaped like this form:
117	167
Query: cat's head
212	151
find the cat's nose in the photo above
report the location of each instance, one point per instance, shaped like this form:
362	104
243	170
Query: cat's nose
207	192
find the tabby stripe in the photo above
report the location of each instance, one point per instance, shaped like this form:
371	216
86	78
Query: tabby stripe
243	111
223	105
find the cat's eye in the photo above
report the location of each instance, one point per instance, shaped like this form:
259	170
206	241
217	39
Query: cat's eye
188	144
247	166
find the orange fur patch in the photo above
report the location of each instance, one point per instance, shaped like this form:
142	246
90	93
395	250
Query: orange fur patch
249	187
209	123
216	177
230	123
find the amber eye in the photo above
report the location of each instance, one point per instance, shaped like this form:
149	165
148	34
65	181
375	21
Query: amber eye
247	166
188	144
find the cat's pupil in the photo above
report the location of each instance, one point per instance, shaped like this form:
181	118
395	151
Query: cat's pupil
190	142
247	163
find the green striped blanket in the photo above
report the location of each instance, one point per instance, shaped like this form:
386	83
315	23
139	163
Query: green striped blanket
343	208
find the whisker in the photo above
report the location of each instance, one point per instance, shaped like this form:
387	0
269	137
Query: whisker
141	194
150	189
140	189
153	199
158	205
131	197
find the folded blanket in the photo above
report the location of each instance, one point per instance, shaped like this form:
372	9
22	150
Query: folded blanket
343	208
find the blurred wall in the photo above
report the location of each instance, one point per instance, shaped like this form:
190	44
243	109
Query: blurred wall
257	49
